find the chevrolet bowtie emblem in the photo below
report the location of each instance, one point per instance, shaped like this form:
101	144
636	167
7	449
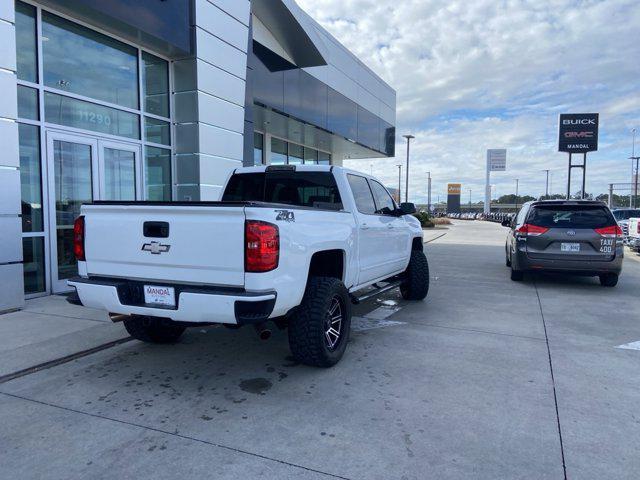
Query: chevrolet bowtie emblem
156	248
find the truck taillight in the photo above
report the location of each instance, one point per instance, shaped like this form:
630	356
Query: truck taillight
612	231
262	246
78	239
531	230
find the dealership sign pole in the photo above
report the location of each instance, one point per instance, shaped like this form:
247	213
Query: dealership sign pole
496	162
579	135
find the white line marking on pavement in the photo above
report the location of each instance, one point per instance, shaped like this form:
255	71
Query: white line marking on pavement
630	346
360	324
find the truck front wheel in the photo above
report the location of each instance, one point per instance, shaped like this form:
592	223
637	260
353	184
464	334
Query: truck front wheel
319	330
152	330
415	285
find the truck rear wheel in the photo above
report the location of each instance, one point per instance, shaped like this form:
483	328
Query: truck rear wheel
152	330
320	328
609	279
416	283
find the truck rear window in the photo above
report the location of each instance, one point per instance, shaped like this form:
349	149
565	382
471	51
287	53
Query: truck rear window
571	216
301	189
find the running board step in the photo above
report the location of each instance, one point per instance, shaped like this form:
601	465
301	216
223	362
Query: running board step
379	290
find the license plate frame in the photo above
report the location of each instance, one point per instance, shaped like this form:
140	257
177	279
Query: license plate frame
570	247
160	295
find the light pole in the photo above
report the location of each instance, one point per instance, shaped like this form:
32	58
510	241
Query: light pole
517	185
547	187
399	183
429	192
470	191
634	178
406	186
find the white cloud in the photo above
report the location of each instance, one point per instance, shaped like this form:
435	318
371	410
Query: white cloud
486	74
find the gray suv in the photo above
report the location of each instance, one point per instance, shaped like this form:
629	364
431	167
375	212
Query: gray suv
577	237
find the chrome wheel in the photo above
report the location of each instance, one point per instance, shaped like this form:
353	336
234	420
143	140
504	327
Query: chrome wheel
333	324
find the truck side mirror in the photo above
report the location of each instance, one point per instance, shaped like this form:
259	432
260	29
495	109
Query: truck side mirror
408	208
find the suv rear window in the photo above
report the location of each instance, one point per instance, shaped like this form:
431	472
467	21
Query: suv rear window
570	216
301	189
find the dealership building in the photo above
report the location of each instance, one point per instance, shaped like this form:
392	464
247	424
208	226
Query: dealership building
160	100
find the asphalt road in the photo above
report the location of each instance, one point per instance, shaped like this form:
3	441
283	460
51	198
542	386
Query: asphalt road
486	379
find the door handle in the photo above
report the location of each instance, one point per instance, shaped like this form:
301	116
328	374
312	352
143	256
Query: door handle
364	226
389	226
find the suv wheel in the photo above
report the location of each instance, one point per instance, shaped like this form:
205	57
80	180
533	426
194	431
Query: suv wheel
609	280
416	283
152	330
320	328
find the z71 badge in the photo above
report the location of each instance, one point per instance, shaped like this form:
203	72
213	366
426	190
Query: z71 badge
285	216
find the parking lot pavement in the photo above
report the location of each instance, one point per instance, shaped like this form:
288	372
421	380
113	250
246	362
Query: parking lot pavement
459	386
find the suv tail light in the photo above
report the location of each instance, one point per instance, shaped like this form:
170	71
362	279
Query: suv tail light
610	232
531	230
262	246
78	239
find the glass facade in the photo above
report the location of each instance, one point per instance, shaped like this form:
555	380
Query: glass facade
93	87
258	148
287	153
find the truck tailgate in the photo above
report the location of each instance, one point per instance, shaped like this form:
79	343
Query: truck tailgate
204	245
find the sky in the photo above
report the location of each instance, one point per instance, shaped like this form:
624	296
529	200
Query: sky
477	74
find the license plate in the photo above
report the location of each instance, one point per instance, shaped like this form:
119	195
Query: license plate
570	247
156	295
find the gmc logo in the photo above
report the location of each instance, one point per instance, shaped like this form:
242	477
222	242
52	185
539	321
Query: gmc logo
578	135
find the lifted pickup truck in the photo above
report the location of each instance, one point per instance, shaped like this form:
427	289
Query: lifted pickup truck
294	245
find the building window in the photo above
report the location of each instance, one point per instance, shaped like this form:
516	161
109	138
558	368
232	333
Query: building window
28	103
296	154
155	82
324	158
33	265
278	151
157	170
27	59
310	156
258	148
87	63
157	131
30	178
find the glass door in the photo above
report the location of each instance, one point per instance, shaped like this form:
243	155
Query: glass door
72	163
83	169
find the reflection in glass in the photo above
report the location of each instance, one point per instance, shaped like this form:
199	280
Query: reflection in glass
324	158
278	151
310	156
82	61
27	103
157	173
89	116
296	154
119	174
157	131
258	148
30	178
72	170
155	81
33	265
26	56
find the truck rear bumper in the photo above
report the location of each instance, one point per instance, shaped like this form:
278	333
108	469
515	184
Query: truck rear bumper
193	304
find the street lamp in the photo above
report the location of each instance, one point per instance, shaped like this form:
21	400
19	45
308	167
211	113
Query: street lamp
399	183
470	191
428	191
634	178
517	185
547	187
406	186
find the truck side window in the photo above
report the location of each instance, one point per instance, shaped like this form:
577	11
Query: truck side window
362	194
384	202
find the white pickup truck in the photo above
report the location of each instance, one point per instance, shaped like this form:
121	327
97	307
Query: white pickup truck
633	237
294	245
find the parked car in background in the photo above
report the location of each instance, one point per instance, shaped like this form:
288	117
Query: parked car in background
296	245
633	239
622	216
574	237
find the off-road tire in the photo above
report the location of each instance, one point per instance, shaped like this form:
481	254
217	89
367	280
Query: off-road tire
152	330
415	285
517	275
307	339
609	280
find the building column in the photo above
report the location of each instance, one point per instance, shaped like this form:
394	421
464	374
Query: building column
209	99
11	273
